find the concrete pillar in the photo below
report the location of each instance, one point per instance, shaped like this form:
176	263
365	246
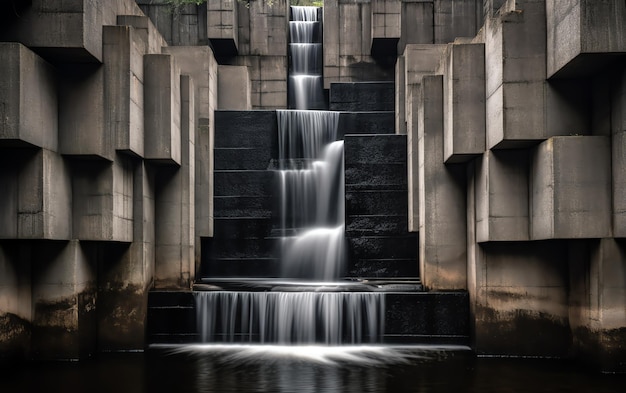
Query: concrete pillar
125	274
233	87
15	302
442	227
102	200
571	188
174	206
64	301
123	88
162	141
28	98
597	312
618	156
501	198
400	105
464	102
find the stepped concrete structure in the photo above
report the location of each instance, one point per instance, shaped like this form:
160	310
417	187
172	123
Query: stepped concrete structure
485	156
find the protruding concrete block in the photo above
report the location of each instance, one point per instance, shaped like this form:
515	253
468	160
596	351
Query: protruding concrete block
103	200
454	19
502	196
386	18
464	102
442	225
400	97
36	202
144	29
233	88
28	98
571	188
64	301
515	73
175	214
222	26
162	141
123	88
583	35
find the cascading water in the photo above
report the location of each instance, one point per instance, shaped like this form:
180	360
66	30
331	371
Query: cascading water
308	305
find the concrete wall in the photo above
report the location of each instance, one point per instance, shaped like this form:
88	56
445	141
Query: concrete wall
98	154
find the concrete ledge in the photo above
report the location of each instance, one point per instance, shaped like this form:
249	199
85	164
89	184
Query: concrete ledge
584	36
28	99
571	188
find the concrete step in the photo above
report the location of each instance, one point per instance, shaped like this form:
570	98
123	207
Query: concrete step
414	317
362	96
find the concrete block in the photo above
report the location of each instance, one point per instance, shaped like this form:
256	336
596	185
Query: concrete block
570	188
583	36
123	52
618	156
412	120
15	303
515	75
416	20
233	86
64	301
420	60
37	197
385	18
222	27
400	97
362	96
28	98
82	130
456	19
174	207
502	196
464	102
102	200
442	225
204	181
162	140
144	29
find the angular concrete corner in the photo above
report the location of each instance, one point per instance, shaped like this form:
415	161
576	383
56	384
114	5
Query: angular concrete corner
222	26
442	222
162	141
28	98
570	188
464	102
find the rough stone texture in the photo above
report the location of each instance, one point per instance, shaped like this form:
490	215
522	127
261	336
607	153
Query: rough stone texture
583	36
502	190
28	98
183	25
571	188
464	102
370	96
222	26
416	20
123	51
515	73
456	19
233	87
442	232
162	138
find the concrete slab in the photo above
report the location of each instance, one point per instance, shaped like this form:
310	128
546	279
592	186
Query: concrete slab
233	86
28	99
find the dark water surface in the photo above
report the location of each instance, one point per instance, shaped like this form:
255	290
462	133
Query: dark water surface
304	369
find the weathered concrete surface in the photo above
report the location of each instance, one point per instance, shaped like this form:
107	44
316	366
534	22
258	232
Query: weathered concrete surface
464	102
102	199
597	301
522	292
162	141
416	20
570	188
583	35
178	25
174	206
233	88
617	89
515	72
64	301
222	26
442	226
123	51
28	98
502	190
145	29
454	19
